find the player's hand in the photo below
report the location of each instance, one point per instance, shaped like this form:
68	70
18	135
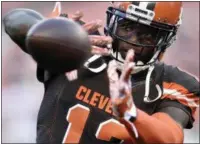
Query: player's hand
99	44
121	88
121	93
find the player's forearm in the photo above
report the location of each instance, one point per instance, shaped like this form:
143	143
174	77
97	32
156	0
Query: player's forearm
157	128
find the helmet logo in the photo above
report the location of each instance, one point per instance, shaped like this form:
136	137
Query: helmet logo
134	12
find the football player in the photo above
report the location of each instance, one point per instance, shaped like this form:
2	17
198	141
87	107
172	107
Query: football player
146	30
128	96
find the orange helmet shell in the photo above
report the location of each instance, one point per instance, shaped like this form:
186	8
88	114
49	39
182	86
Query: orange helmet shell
168	12
164	12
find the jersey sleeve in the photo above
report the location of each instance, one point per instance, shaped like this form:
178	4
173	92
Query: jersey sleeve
181	90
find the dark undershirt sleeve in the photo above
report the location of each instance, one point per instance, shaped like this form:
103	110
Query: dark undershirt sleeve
179	112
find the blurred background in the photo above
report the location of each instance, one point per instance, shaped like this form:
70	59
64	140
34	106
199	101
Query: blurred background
22	93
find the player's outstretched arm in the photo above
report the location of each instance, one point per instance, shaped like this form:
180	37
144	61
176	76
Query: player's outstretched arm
160	127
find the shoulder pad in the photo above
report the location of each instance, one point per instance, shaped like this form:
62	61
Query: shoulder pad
181	77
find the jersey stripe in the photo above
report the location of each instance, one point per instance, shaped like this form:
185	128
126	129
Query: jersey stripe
173	93
177	92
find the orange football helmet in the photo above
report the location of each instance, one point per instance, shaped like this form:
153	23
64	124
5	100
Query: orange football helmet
158	21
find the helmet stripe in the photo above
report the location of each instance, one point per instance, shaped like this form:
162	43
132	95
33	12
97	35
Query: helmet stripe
143	5
151	6
136	3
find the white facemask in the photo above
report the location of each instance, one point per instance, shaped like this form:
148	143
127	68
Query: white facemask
139	65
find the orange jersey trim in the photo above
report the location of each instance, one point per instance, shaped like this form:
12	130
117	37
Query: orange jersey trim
177	92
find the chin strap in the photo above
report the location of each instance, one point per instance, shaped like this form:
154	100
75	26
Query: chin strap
120	63
141	67
147	87
147	82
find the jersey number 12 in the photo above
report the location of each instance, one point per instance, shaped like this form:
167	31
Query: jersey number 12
77	117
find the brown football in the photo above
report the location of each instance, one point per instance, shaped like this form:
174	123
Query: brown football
58	44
